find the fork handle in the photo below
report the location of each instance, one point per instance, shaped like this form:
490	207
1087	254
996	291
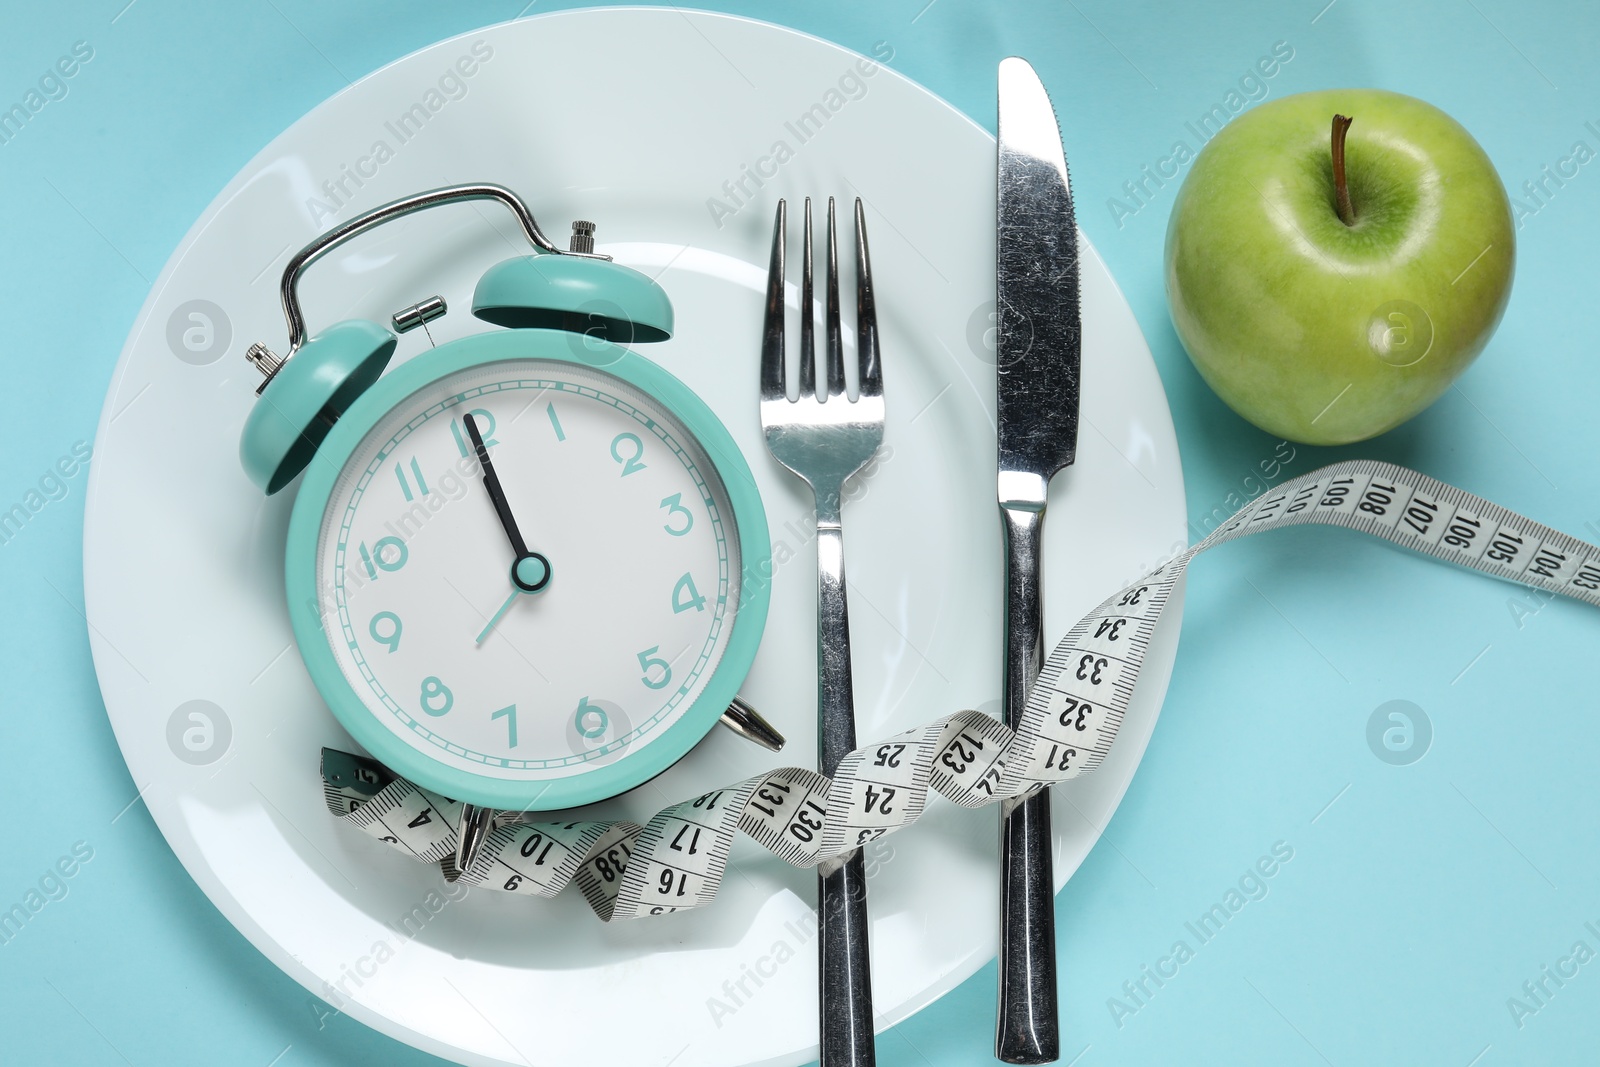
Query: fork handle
1027	1029
843	972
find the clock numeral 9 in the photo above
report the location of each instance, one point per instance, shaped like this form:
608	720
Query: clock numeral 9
485	423
685	597
590	720
674	506
381	558
436	696
392	638
635	451
649	661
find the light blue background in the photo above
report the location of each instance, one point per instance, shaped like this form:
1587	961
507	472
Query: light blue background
1416	903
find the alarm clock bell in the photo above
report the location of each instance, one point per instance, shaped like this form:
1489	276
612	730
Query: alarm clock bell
304	391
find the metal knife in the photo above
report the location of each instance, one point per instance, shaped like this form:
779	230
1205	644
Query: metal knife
1039	340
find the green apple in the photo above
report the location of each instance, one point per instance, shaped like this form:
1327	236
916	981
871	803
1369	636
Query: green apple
1326	307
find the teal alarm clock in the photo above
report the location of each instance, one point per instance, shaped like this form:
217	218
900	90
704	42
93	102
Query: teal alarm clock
526	569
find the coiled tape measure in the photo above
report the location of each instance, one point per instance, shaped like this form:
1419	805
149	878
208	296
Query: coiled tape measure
676	860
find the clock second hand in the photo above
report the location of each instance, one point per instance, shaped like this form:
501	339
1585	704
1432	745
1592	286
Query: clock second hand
530	574
498	615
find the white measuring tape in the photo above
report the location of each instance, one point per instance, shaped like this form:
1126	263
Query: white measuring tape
677	859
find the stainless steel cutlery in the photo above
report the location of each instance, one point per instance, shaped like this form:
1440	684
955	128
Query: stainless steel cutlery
825	438
1038	348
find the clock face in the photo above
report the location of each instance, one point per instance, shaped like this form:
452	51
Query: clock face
465	670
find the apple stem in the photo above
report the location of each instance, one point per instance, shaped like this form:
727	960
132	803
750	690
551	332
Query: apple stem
1347	210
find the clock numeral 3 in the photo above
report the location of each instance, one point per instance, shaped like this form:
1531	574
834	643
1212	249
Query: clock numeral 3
674	506
485	423
634	452
405	486
436	696
649	661
392	638
509	714
685	597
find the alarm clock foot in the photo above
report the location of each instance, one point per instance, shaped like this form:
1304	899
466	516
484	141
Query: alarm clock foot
748	723
475	822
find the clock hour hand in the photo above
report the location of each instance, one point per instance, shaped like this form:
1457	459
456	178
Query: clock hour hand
530	571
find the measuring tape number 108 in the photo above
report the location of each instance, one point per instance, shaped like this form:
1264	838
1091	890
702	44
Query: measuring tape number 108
677	859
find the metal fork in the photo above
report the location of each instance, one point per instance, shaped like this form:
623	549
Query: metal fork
826	440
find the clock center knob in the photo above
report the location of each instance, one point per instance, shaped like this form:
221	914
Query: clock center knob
531	573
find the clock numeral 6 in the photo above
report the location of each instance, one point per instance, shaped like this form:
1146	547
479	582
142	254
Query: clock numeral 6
392	638
649	661
590	719
388	554
685	597
674	506
634	449
485	423
436	696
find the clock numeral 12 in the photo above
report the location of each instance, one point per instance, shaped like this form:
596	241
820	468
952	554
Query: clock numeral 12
485	428
509	714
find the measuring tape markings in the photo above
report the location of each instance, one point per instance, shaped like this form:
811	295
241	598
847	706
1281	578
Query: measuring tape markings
677	860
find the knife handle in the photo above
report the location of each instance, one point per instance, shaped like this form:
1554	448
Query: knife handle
1027	1029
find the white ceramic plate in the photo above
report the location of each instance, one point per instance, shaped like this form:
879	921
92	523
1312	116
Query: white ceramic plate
642	120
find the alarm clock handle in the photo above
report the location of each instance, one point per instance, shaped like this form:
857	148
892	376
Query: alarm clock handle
406	205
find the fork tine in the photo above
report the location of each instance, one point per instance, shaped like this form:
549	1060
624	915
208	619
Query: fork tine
871	378
772	378
831	324
808	318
